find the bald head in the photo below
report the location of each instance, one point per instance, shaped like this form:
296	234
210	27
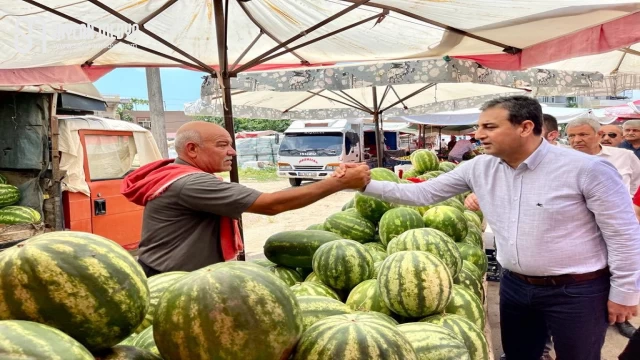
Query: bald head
205	145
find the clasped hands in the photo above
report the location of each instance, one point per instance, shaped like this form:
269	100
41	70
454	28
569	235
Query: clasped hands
353	175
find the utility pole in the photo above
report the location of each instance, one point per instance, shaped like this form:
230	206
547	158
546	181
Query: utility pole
156	110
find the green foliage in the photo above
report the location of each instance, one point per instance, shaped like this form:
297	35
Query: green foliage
572	102
124	110
264	174
244	124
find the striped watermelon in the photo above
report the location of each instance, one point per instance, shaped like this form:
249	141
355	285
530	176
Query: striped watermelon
88	287
219	311
145	341
474	255
128	341
447	219
396	221
9	195
382	174
263	262
348	205
11	215
350	225
432	241
430	175
3	179
474	237
312	278
316	226
376	246
288	275
343	264
453	202
470	278
415	283
296	248
371	208
316	308
384	317
471	335
314	289
376	269
473	217
446	166
410	174
366	297
353	337
124	352
424	160
304	272
434	342
30	340
157	285
465	303
480	214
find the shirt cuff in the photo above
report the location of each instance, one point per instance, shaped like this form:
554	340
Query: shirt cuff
375	188
623	297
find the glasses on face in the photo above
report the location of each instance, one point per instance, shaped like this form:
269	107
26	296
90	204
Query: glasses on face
611	135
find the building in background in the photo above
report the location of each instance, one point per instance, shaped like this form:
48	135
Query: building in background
173	119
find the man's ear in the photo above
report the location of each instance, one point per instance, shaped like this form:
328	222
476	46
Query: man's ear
527	127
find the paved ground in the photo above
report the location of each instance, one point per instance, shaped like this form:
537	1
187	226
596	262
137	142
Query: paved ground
258	228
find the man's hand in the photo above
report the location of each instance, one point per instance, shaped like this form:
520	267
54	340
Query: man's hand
355	177
471	202
621	313
339	172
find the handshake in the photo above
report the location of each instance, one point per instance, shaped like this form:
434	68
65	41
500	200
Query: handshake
352	176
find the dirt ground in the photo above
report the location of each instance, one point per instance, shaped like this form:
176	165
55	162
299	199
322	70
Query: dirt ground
257	228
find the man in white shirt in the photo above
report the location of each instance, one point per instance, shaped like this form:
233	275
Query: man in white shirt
459	149
562	273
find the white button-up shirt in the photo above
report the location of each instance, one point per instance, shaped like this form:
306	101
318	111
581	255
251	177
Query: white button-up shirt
626	162
559	212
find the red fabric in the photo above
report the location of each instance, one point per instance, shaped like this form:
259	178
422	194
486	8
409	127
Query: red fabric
636	198
416	180
151	180
609	36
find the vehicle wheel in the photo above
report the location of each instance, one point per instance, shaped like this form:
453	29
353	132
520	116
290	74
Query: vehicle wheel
295	181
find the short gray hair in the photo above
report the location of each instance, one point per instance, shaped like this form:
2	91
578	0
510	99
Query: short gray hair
584	121
185	137
631	123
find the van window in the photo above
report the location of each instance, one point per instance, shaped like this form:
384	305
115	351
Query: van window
110	156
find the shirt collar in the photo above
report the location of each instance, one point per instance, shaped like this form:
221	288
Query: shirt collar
536	157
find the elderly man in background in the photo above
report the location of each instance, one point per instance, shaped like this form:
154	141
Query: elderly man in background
631	131
611	135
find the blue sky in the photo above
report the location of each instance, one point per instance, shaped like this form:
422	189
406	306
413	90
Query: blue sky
178	85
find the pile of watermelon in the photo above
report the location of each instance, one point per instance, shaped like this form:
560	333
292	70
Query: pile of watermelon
11	214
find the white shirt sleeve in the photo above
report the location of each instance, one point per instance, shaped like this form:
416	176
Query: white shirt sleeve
635	172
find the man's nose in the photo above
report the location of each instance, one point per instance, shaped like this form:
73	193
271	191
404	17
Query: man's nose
231	152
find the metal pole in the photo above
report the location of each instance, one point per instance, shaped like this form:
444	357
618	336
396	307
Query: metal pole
376	117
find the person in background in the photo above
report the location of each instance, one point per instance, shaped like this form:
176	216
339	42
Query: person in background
452	142
631	131
190	215
611	135
459	149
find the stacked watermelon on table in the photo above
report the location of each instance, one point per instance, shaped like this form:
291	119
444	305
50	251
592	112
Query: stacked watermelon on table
11	214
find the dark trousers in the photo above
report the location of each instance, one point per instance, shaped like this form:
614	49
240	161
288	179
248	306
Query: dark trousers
149	271
575	314
632	350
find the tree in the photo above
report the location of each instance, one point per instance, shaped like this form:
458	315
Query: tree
124	110
572	102
244	124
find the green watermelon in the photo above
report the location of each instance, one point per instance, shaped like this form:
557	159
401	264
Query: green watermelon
424	160
343	264
219	311
470	278
263	262
315	227
371	208
9	195
465	303
304	272
446	166
396	221
87	286
430	175
157	285
296	248
314	289
447	219
128	341
348	205
349	225
315	308
434	342
474	237
366	297
453	202
415	283
3	179
359	336
480	214
376	268
127	352
12	215
474	255
145	341
432	241
376	246
382	174
312	278
471	335
410	174
30	340
473	218
288	275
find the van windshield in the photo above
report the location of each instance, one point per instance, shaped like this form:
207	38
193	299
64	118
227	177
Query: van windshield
311	144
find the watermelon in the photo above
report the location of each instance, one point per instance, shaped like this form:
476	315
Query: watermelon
263	262
348	205
431	175
315	308
314	289
376	269
353	337
30	340
315	227
157	285
465	303
288	275
350	225
3	179
473	218
145	341
410	174
434	342
382	174
381	316
471	335
343	264
424	160
124	352
415	283
219	311
296	248
12	215
87	286
432	241
128	341
371	208
447	219
9	195
312	278
366	297
470	278
480	214
304	272
474	255
396	221
446	166
474	237
376	246
453	202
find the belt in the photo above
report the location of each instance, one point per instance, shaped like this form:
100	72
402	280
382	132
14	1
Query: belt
561	279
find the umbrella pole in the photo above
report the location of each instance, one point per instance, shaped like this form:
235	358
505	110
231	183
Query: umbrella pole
376	121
